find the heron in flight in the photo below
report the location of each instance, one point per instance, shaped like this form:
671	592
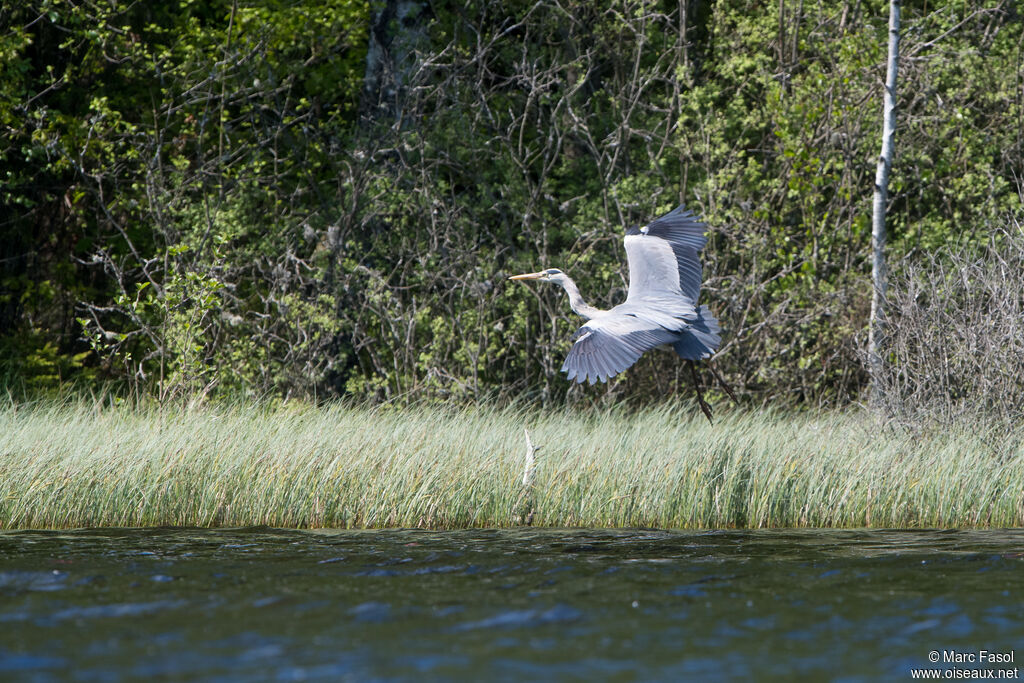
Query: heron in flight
660	308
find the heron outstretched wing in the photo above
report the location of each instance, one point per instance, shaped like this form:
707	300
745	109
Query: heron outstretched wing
664	262
608	345
660	308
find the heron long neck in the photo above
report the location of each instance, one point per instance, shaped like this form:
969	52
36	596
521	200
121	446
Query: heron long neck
576	302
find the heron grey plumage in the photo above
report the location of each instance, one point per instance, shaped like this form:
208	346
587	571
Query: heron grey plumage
661	306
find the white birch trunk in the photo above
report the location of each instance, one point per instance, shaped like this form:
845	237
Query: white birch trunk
879	277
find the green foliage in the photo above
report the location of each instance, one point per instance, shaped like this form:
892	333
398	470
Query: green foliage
251	199
171	189
32	364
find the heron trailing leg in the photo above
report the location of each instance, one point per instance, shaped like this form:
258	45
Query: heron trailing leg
721	381
705	408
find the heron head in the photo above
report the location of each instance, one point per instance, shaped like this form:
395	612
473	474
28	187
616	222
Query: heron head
551	275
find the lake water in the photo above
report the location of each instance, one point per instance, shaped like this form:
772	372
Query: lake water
516	605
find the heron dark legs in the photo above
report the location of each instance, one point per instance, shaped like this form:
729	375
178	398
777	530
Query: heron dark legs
705	408
721	381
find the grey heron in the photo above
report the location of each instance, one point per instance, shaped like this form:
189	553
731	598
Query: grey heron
660	308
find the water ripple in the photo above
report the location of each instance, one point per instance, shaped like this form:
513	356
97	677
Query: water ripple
652	605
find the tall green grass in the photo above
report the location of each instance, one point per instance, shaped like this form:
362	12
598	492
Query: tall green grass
77	465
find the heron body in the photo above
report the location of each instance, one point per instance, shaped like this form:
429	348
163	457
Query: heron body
660	307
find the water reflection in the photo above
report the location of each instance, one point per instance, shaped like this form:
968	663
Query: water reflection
267	604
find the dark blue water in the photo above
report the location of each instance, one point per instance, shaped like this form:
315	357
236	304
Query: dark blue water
628	605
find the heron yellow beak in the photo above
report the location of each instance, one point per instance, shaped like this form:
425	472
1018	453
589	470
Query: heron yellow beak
528	276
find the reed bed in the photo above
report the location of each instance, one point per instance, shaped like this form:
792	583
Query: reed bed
78	465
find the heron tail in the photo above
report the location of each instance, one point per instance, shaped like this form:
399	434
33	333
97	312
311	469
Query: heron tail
701	339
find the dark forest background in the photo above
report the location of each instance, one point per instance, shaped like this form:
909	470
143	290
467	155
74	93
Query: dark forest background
312	199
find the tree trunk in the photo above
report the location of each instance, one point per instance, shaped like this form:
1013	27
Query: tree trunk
397	31
879	278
